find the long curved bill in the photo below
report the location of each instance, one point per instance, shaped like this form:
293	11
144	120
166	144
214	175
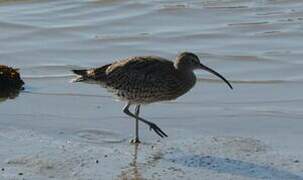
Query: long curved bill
215	73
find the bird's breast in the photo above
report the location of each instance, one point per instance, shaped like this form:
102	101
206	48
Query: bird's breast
161	90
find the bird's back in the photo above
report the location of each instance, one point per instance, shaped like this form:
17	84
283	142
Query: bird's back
143	79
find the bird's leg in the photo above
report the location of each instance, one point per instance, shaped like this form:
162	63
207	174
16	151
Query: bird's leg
136	140
152	126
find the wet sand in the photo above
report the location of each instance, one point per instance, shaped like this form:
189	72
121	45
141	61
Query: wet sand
59	130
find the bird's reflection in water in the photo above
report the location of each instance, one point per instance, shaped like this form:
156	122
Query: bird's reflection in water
132	172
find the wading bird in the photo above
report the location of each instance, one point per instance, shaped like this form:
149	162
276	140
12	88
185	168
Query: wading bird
142	80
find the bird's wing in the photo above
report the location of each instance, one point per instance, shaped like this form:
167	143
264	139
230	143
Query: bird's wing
145	73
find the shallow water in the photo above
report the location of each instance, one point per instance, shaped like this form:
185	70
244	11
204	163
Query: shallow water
256	45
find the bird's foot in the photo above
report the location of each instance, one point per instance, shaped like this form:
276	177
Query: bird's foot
135	141
153	126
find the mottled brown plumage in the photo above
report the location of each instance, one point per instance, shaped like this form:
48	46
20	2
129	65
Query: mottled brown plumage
147	79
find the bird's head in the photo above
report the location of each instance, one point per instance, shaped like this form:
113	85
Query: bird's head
189	62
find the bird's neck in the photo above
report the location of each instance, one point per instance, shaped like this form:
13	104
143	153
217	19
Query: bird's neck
189	78
185	74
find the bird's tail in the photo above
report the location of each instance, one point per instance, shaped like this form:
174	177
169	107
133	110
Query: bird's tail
97	75
81	72
82	75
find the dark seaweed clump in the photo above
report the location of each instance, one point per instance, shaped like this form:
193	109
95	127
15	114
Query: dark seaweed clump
10	82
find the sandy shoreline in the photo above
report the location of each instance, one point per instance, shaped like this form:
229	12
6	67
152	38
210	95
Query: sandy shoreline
26	154
87	137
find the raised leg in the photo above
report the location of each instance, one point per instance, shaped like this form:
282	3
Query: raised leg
152	126
136	140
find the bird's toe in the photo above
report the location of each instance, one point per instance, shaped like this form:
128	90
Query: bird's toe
135	141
